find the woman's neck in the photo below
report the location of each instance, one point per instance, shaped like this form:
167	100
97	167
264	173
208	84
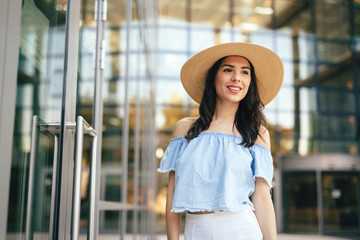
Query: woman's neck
225	111
223	119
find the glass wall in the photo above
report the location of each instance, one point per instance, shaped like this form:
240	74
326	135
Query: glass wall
127	177
39	92
317	109
127	181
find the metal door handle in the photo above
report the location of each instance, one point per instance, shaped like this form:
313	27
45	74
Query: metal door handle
82	127
31	175
54	129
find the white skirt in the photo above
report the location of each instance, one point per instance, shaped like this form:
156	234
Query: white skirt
241	225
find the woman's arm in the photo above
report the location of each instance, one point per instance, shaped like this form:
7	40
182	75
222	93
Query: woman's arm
172	219
264	209
261	198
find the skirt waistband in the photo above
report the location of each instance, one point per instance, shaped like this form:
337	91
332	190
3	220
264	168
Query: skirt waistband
216	216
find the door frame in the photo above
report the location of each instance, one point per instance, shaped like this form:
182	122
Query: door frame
65	164
10	20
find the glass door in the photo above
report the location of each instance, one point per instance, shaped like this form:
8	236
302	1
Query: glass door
50	170
341	202
39	93
300	201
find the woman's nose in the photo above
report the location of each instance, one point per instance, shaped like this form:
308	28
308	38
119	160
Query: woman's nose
236	77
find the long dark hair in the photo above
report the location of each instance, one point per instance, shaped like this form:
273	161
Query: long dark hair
248	117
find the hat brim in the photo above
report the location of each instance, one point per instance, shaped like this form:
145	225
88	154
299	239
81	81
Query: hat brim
269	69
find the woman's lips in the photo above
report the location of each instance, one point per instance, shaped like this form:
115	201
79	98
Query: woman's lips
234	88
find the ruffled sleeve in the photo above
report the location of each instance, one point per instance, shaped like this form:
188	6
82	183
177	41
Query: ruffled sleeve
262	164
172	153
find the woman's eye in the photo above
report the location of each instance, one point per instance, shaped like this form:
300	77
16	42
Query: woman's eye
245	72
227	70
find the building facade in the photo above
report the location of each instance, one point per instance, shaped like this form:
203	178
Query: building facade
316	113
90	92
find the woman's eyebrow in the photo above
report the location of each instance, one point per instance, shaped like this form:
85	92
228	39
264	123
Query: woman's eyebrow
232	66
227	65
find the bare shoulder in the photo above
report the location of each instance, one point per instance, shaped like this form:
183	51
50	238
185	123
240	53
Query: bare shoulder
264	138
182	126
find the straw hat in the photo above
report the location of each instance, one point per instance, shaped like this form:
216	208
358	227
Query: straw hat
269	69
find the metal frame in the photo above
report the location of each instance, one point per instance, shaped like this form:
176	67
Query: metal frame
64	175
97	117
125	127
10	10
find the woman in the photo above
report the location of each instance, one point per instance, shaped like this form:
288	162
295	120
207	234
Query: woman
220	165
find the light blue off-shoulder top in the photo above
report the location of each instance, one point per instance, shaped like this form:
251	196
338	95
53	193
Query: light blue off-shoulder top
214	172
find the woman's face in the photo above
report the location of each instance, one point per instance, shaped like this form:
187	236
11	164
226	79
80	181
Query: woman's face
232	79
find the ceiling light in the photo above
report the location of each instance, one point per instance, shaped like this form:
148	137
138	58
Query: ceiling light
249	27
264	10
